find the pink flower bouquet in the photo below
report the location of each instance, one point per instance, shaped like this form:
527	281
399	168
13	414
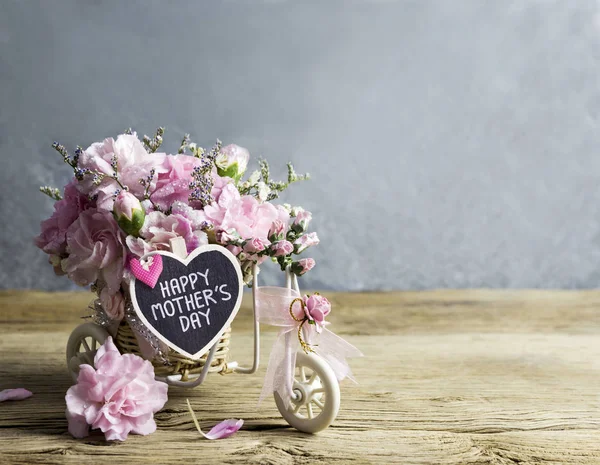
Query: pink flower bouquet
127	199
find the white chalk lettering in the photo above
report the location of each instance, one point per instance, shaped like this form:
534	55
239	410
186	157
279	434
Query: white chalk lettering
175	289
224	293
170	304
185	323
184	282
189	302
177	299
164	288
207	293
193	279
205	315
204	275
198	299
154	307
195	320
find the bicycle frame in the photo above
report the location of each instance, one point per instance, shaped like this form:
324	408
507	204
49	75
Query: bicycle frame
291	282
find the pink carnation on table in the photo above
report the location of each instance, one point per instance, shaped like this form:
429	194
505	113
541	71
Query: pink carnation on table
174	183
120	396
281	248
96	248
249	218
52	239
316	308
159	229
133	163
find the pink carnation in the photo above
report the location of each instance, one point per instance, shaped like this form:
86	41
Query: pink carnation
96	248
52	239
120	396
305	241
302	266
244	214
174	183
159	229
256	245
133	163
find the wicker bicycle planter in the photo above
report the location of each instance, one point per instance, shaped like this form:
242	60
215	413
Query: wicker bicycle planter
127	342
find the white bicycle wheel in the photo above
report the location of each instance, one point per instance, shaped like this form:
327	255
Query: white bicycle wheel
84	342
316	395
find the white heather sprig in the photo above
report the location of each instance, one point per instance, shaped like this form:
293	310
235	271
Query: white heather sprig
152	144
261	186
51	192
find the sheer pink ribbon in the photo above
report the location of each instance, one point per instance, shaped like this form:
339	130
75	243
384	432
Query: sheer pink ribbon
273	308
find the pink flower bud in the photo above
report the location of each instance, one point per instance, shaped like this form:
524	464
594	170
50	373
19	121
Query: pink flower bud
129	213
305	241
232	161
256	245
281	248
302	266
277	231
301	221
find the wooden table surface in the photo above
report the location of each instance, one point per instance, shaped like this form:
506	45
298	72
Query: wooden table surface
449	377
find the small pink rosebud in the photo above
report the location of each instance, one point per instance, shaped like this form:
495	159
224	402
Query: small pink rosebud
129	213
301	221
277	231
228	237
281	248
302	266
305	241
255	245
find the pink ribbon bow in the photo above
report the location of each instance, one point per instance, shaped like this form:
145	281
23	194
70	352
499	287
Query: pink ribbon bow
273	308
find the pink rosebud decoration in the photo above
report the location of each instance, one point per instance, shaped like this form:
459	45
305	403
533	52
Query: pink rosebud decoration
302	266
129	213
120	396
15	394
281	248
305	241
316	307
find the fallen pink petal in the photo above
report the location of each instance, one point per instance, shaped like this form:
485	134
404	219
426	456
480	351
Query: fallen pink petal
224	429
15	394
221	431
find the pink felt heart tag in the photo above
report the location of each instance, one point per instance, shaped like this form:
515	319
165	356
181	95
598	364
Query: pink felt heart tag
149	271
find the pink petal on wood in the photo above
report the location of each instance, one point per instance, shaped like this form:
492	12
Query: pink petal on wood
15	394
221	431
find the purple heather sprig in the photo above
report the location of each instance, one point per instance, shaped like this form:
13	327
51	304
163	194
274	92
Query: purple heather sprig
202	179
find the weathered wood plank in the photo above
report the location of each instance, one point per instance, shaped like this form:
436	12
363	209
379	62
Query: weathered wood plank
453	377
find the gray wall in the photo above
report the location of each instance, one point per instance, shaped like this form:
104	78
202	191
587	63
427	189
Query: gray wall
452	143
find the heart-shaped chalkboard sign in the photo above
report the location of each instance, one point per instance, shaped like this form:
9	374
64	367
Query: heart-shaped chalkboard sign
193	301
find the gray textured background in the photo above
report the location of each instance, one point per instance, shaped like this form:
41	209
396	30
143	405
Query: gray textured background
452	143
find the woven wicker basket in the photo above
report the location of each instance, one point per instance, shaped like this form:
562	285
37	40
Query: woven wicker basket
127	343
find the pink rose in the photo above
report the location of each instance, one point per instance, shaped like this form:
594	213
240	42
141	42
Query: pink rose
174	183
96	248
133	164
120	396
281	248
305	241
256	245
302	266
113	304
316	308
52	239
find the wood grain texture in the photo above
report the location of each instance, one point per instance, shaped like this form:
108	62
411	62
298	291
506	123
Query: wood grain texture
452	377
